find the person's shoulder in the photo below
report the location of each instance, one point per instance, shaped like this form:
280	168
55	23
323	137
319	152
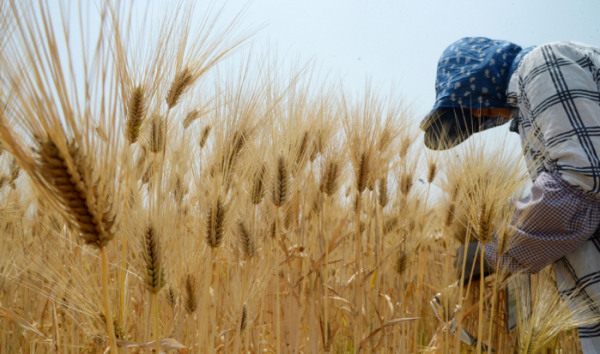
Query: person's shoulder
563	49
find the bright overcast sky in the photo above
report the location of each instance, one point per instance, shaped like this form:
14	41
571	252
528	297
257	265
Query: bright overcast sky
400	41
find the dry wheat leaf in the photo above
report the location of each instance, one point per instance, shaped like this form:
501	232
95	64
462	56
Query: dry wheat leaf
389	302
387	324
166	344
340	299
19	320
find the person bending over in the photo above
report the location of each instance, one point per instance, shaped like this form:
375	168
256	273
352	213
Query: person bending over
550	96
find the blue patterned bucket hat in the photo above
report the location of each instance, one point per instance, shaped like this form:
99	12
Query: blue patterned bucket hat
472	73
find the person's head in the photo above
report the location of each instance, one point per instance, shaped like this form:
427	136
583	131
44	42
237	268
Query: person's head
472	78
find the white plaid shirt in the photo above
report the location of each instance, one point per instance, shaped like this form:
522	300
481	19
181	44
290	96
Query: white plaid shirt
556	89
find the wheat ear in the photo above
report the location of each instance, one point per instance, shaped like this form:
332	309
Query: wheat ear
280	183
183	80
244	318
401	262
246	240
15	170
383	192
73	192
171	297
204	136
157	133
155	271
190	118
135	114
362	175
330	178
406	183
257	190
191	296
215	223
432	171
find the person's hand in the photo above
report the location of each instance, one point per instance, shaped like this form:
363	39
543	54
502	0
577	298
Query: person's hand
472	261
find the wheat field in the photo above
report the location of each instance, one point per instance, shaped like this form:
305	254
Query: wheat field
167	186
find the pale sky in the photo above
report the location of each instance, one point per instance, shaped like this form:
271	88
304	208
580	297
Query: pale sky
400	41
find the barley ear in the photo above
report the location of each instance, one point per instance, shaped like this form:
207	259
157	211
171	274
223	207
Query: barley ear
244	318
390	225
180	84
171	297
302	148
246	240
257	190
215	223
281	183
406	183
450	215
330	178
3	181
485	227
401	262
190	118
432	171
72	191
135	114
157	133
362	174
191	296
237	144
383	192
502	243
404	146
204	136
273	229
155	271
15	170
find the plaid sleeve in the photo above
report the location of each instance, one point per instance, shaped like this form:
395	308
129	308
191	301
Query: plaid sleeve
558	87
555	219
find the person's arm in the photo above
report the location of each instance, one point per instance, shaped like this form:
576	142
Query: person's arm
559	98
556	218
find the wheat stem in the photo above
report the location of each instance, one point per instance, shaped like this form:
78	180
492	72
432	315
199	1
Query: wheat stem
481	288
277	294
205	296
155	321
494	297
107	313
325	276
213	334
357	298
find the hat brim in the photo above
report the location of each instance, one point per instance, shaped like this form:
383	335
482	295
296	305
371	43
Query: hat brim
447	127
